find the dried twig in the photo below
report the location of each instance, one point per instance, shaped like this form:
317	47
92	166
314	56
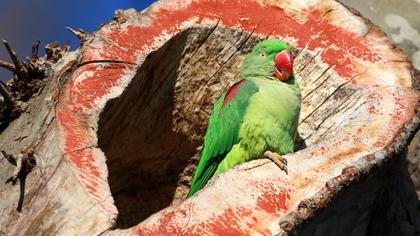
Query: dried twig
81	34
25	82
7	65
35	48
5	85
22	72
30	64
13	55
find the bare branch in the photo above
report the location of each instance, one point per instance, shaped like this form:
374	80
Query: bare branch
35	48
30	63
7	65
80	34
13	56
5	85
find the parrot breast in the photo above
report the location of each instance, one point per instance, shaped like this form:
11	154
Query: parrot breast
271	119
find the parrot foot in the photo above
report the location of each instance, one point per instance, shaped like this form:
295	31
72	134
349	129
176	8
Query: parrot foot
279	160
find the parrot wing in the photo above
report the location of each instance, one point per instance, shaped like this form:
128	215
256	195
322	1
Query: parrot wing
222	131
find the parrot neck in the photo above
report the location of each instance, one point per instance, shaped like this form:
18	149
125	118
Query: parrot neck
291	82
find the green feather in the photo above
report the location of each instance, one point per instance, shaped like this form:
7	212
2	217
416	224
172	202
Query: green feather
222	133
207	173
262	115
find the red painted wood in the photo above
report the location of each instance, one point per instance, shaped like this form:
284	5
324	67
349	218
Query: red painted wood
91	83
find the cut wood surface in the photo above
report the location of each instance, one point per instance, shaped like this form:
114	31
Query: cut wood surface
118	129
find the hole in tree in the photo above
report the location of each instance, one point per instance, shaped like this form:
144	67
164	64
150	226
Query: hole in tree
151	134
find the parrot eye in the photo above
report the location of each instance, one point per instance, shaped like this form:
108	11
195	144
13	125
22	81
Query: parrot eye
263	55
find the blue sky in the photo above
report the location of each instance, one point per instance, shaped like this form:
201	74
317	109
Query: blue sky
24	21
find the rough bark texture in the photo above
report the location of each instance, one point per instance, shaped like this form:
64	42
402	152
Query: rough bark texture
117	130
413	156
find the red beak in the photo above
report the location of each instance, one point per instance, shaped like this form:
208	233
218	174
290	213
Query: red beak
284	65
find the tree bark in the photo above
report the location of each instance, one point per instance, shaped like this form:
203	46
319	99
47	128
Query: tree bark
117	130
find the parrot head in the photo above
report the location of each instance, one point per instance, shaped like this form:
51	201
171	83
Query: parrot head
269	58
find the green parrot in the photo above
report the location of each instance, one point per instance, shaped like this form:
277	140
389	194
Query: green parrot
256	118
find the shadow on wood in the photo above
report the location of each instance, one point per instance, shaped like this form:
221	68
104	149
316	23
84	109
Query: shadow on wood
145	154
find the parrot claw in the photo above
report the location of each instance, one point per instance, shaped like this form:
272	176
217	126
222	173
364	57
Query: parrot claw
279	160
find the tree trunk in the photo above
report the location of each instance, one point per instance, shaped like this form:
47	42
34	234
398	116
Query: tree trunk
117	130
